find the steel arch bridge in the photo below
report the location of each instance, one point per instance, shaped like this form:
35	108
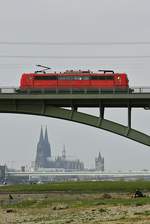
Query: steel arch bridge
54	104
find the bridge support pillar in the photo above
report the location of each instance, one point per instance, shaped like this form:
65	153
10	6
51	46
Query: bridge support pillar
102	109
129	116
74	108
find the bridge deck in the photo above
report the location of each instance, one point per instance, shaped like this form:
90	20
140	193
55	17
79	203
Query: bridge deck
141	100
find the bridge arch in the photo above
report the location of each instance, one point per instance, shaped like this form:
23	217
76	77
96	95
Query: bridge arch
79	117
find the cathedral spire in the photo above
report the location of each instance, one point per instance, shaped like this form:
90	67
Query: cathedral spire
46	135
99	156
41	135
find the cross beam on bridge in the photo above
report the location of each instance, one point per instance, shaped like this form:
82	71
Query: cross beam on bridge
52	105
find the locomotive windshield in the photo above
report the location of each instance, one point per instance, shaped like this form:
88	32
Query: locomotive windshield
102	77
45	77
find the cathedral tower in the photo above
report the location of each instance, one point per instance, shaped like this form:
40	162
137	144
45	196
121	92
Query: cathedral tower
43	153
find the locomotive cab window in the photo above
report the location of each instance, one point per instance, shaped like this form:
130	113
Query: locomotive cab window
52	77
102	77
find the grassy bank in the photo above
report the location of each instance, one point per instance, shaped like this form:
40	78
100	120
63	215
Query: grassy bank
79	187
64	202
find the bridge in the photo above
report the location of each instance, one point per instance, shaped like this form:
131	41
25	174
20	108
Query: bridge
64	105
77	174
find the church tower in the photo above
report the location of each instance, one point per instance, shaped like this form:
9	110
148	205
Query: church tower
47	145
43	153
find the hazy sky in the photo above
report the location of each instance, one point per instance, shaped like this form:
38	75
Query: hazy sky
75	21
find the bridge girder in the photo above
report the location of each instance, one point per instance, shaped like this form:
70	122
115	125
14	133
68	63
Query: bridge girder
41	108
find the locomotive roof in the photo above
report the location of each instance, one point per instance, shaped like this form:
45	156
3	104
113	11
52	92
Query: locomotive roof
78	73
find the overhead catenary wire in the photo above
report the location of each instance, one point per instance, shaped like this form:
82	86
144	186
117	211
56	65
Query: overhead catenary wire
73	43
77	57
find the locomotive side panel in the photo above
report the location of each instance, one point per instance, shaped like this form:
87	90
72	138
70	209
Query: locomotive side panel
45	81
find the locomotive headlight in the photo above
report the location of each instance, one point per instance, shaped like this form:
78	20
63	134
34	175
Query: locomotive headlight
118	77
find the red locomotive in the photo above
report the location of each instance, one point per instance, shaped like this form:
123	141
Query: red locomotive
103	79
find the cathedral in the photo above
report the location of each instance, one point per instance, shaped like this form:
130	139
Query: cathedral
44	156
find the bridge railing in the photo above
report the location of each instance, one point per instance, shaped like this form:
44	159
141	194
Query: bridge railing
131	90
145	89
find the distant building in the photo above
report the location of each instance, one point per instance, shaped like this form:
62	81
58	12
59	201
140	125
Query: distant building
99	163
3	170
64	163
23	168
44	157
